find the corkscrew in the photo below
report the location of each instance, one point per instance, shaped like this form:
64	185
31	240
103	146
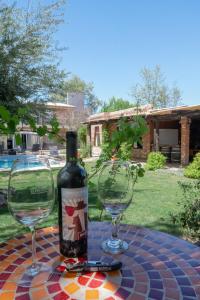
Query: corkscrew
93	266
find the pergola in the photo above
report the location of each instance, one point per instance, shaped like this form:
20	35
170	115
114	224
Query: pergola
185	119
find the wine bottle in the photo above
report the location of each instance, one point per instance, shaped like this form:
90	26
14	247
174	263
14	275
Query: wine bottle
72	199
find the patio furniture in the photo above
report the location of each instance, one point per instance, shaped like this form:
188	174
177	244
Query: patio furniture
156	266
1	149
166	150
176	154
53	151
35	147
12	152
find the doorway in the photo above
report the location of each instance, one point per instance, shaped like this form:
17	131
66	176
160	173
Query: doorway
24	141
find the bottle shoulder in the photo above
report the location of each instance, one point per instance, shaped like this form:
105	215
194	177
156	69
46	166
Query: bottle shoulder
72	175
72	168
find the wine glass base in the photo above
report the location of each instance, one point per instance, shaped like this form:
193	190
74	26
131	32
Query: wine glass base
36	276
114	247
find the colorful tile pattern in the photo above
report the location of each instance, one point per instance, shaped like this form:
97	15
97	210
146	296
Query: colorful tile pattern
156	266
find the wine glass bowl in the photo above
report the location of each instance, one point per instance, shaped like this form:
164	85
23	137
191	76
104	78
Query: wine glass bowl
115	191
30	191
30	200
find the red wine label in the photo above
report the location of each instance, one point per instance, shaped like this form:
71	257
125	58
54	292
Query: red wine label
74	213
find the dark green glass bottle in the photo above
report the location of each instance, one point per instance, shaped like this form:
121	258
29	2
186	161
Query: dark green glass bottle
72	200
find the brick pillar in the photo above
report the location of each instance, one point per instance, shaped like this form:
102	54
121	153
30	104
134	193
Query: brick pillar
147	139
101	133
112	127
157	137
185	140
92	134
104	127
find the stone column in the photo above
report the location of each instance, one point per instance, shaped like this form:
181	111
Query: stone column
185	140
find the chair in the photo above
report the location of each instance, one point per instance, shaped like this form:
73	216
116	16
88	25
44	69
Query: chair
1	149
35	147
53	150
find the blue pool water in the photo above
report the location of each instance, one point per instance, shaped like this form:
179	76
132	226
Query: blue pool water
6	161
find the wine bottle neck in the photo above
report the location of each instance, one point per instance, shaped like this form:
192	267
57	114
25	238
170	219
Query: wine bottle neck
71	147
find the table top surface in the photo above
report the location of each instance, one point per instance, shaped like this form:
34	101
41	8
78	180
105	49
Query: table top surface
156	266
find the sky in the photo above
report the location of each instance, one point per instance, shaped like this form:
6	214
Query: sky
110	41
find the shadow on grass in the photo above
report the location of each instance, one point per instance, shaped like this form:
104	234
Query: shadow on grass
10	228
4	210
152	190
165	226
93	200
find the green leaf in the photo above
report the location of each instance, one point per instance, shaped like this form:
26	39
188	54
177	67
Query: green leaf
3	129
16	119
91	185
18	139
42	130
50	135
32	123
22	111
11	126
4	113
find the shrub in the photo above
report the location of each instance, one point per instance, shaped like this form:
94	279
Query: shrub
85	151
106	150
82	137
82	134
193	170
155	160
189	216
125	151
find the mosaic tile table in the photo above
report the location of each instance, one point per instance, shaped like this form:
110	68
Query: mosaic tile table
156	266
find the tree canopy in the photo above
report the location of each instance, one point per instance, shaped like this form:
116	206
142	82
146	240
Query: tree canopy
154	90
115	104
29	63
76	85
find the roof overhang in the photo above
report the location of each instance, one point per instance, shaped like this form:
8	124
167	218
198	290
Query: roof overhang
172	113
58	105
115	115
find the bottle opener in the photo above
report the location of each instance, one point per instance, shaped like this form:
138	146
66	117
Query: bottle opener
93	266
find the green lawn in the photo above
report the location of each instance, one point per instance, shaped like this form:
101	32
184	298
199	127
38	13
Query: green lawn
155	196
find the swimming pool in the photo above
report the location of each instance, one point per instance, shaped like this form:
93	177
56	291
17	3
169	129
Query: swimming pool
6	161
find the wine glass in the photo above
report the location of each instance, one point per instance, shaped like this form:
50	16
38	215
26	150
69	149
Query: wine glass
30	200
115	191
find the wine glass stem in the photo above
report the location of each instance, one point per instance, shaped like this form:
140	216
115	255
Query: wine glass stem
115	227
33	248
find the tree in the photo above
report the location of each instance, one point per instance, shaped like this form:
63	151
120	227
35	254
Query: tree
153	90
29	64
77	85
115	104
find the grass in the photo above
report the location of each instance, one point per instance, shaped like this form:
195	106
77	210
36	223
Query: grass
156	195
